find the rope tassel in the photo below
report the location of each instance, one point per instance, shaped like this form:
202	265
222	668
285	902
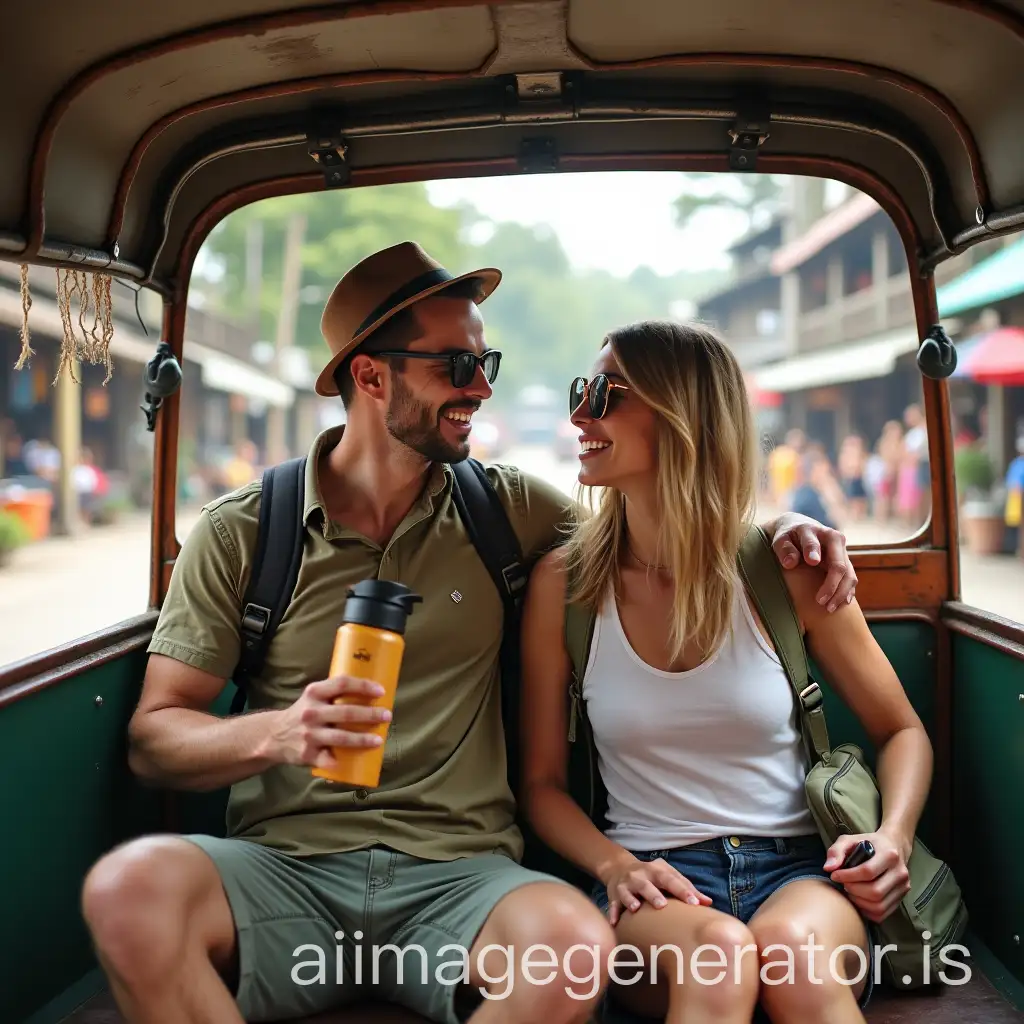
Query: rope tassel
26	304
86	344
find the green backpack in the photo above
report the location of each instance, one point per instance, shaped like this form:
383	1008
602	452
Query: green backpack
840	788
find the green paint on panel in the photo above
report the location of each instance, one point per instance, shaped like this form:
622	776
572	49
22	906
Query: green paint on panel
910	648
988	794
68	798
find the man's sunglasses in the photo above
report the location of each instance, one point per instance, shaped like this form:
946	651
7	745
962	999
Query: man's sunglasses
461	365
598	391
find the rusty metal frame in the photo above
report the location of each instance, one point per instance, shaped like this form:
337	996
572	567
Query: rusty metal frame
482	116
36	251
270	91
854	68
251	25
298	86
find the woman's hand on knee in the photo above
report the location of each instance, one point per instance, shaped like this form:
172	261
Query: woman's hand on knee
631	881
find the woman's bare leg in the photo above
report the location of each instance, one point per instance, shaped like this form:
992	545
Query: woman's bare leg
812	982
671	935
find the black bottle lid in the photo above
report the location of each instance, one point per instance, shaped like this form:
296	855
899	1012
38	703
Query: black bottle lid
381	604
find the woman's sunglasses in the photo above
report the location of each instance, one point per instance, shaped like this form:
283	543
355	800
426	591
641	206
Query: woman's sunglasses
597	390
461	365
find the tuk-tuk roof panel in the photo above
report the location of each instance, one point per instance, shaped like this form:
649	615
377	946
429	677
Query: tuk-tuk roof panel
122	122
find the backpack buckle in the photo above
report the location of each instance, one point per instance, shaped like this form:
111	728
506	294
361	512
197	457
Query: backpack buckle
515	578
255	618
810	696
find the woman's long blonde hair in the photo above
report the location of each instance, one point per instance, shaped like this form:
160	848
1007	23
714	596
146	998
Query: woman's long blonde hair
706	472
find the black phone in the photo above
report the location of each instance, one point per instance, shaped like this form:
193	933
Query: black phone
861	852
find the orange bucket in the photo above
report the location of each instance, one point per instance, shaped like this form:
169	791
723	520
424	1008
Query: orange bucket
33	508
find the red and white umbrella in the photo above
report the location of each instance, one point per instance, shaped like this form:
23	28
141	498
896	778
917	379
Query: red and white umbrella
996	357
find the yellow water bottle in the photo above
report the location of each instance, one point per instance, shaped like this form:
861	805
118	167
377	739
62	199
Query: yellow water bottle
369	645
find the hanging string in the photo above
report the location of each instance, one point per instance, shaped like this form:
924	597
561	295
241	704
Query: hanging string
87	344
26	304
136	290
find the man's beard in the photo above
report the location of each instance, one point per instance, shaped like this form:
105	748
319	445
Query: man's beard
416	425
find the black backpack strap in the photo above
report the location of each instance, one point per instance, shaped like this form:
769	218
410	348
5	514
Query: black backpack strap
492	535
488	526
275	568
481	510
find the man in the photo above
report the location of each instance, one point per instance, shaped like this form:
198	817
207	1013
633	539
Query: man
202	929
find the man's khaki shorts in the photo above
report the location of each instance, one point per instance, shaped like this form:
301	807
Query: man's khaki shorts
316	933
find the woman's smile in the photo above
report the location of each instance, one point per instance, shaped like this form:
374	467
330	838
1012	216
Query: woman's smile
592	446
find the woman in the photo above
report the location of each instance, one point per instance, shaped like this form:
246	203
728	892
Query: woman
710	842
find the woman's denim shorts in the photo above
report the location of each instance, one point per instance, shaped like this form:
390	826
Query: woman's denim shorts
739	873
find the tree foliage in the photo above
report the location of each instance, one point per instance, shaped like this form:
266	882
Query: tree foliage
547	317
752	195
342	228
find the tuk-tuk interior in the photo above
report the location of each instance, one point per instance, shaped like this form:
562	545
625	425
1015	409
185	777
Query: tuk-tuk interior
128	132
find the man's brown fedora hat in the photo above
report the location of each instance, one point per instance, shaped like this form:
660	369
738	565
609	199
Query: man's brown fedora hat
376	289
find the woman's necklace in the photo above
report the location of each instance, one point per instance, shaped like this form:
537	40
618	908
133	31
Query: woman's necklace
646	565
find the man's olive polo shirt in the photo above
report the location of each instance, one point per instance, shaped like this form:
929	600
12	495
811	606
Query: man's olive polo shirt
443	791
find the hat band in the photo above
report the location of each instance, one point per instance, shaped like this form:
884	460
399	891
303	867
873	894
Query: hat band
407	291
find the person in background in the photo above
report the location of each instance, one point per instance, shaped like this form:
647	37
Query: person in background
91	485
890	451
1015	496
816	489
852	464
782	465
914	476
42	458
243	467
874	479
12	459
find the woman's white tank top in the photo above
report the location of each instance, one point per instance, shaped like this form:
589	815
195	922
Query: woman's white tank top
689	756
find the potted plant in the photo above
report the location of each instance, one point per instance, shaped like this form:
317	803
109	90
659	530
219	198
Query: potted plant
981	502
13	533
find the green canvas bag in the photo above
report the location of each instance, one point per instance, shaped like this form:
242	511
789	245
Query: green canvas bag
841	790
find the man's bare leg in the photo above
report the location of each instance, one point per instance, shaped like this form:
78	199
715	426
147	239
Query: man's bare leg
163	932
567	927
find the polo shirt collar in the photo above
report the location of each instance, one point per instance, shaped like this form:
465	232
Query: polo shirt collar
439	481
